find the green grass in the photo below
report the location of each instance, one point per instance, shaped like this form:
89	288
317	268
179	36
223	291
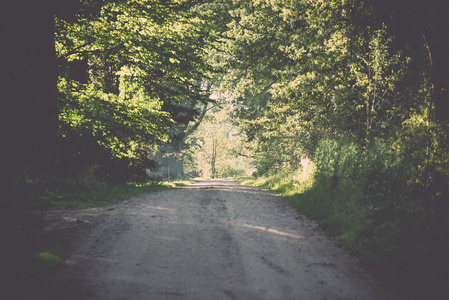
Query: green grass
26	251
363	200
102	193
286	184
340	207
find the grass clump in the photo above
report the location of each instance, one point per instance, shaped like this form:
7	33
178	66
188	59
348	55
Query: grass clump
287	184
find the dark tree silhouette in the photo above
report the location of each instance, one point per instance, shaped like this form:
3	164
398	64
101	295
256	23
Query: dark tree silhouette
28	112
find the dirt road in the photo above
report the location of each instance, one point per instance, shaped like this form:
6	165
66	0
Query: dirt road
210	240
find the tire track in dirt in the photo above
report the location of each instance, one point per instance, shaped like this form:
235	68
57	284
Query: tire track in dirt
210	240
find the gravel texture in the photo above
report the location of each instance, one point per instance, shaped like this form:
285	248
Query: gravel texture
210	240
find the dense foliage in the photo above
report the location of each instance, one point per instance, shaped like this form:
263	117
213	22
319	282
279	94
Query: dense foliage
357	87
360	88
130	75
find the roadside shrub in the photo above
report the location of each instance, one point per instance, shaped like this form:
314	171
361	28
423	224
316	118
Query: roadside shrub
337	159
385	203
373	200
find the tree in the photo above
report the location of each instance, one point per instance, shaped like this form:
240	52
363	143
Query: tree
28	82
418	28
301	71
217	148
144	61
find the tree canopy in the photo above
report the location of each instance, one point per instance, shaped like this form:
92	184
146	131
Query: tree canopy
133	74
359	89
299	71
130	74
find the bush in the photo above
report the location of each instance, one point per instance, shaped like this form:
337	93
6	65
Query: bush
374	201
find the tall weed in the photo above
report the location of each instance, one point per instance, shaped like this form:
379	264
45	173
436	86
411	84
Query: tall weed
371	200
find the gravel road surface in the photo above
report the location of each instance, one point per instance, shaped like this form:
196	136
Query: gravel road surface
210	240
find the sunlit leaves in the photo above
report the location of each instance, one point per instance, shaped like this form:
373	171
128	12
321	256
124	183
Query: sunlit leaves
376	76
313	60
144	61
119	125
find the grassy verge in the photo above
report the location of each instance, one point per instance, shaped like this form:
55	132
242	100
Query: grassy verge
389	226
26	251
100	193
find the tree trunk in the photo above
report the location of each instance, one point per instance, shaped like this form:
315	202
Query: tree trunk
28	113
213	157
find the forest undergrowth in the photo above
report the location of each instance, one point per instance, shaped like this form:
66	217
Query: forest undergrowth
372	202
